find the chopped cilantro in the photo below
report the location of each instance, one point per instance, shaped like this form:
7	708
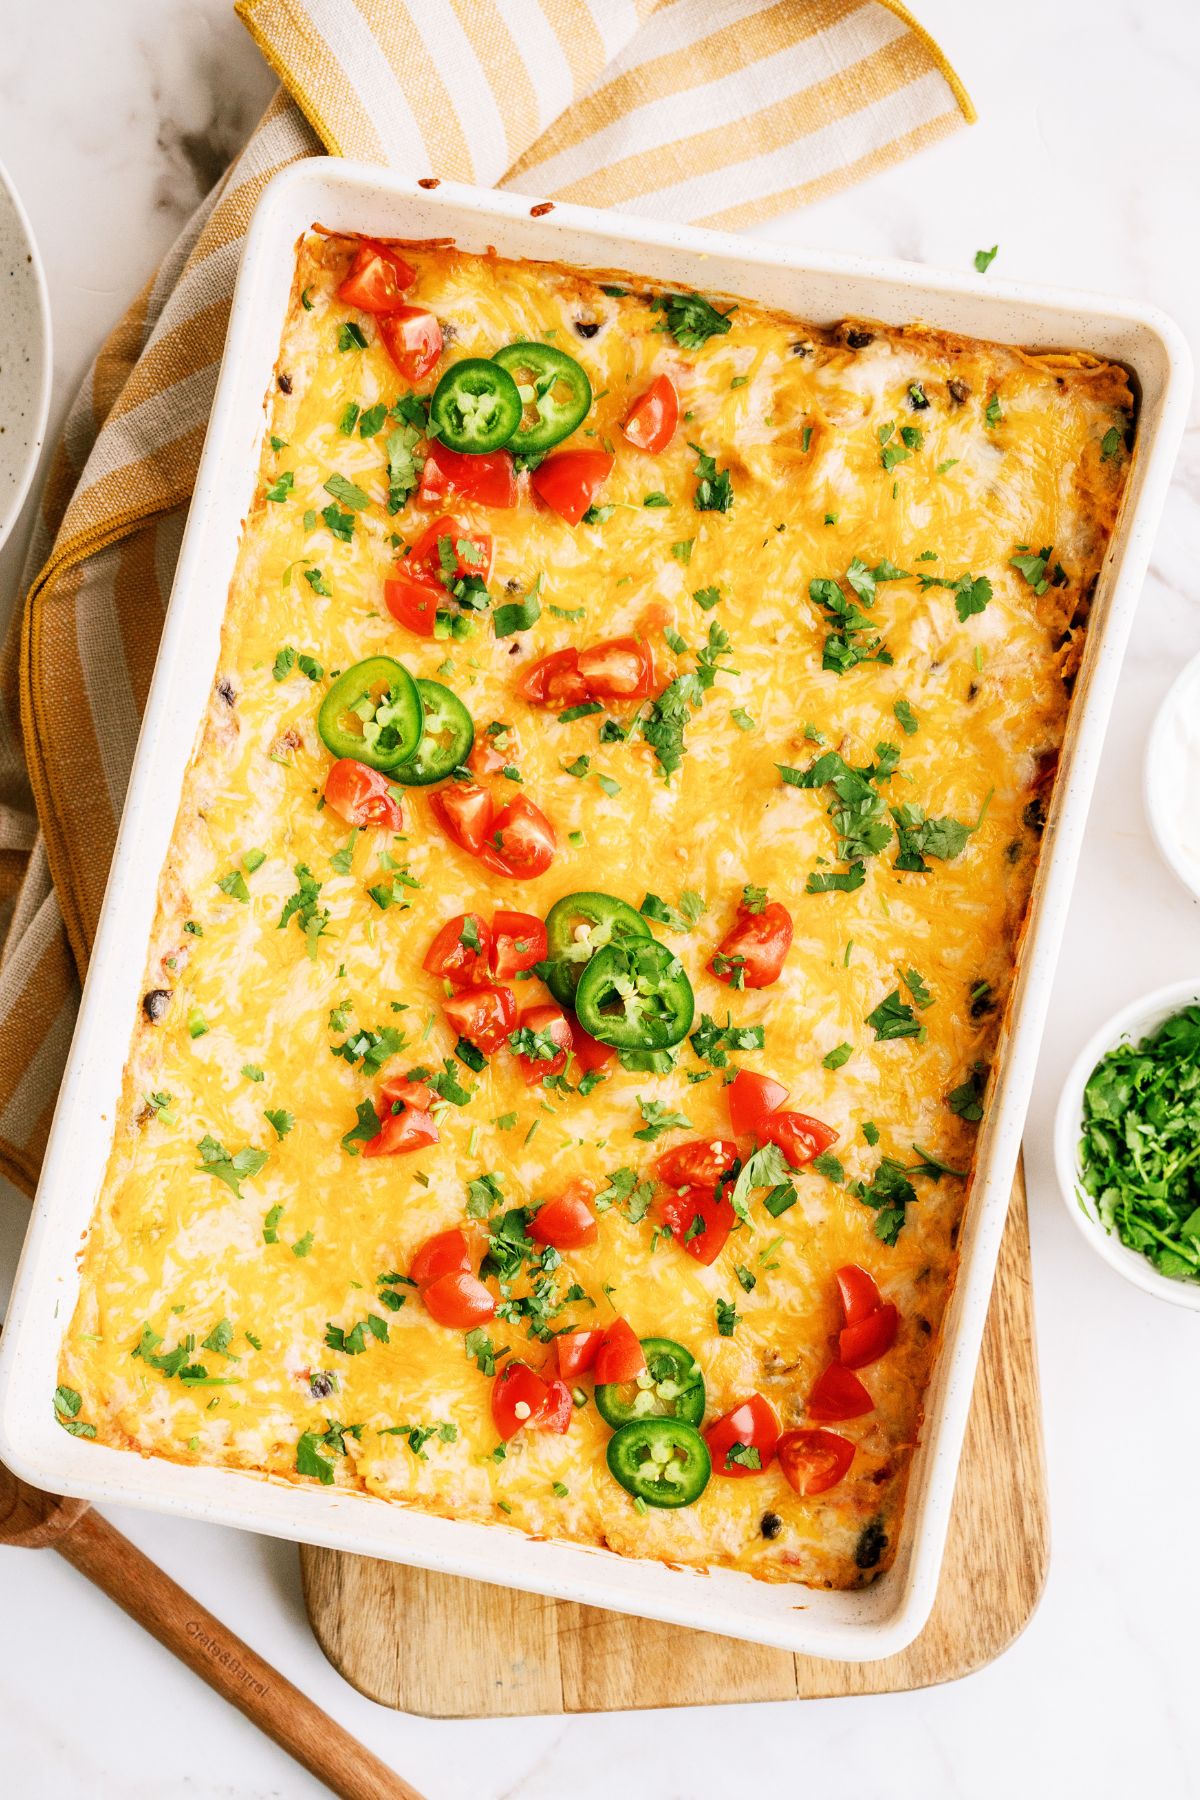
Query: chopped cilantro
312	919
894	1018
231	1169
658	1119
728	1318
714	487
690	319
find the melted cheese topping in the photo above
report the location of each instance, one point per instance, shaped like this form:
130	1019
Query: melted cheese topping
1012	452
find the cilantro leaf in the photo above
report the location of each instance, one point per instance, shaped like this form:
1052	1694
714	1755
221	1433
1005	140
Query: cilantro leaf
894	1018
231	1169
658	1119
690	319
714	487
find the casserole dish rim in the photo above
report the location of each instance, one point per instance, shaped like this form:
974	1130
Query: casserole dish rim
855	1624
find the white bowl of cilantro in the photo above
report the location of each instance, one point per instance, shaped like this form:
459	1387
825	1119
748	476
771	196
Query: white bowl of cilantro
1127	1143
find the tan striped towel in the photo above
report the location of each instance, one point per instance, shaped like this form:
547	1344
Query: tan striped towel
715	111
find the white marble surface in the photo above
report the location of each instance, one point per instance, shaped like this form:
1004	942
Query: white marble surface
1084	169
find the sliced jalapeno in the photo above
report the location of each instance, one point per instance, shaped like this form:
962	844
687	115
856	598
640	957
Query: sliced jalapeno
475	407
664	1462
555	395
373	713
670	1387
446	739
635	995
576	927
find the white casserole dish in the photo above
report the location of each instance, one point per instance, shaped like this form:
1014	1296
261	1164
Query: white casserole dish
873	1622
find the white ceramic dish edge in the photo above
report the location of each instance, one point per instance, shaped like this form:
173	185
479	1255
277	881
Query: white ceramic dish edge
875	1621
1131	1024
1165	779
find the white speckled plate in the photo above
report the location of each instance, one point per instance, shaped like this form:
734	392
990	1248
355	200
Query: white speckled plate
25	355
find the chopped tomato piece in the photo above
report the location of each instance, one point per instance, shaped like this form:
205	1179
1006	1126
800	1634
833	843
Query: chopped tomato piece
401	1132
653	416
557	1409
752	1099
464	812
450	475
458	1299
487	758
743	1441
867	1341
567	1222
546	1021
520	840
754	947
554	681
377	281
413	603
570	481
518	941
576	1352
461	952
814	1460
859	1295
412	338
482	1015
838	1394
362	795
590	1053
521	1398
701	1163
446	1253
619	1354
619	669
471	551
799	1136
698	1220
402	1091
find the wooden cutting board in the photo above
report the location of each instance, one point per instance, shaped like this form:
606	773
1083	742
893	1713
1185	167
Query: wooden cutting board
449	1648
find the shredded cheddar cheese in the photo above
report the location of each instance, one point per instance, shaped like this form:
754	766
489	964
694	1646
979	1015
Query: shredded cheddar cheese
243	1299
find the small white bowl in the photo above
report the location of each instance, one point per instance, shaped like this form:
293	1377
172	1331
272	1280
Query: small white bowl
1131	1024
1172	794
25	357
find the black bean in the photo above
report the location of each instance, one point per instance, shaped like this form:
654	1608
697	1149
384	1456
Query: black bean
872	1543
959	391
1035	815
858	340
973	691
771	1525
587	328
321	1385
1013	853
284	383
803	348
983	1001
155	1004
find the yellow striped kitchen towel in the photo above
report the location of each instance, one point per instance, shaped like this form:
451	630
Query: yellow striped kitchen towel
718	112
